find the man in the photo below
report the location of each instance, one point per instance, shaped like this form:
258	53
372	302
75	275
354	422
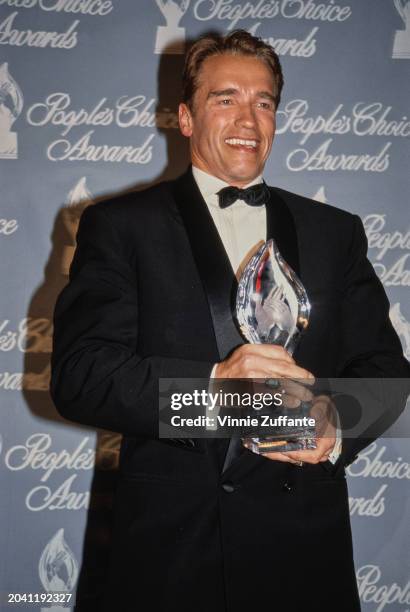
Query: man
198	527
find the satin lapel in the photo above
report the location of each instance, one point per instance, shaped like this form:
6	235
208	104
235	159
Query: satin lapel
280	226
216	273
212	262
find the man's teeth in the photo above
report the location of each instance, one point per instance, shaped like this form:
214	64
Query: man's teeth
241	141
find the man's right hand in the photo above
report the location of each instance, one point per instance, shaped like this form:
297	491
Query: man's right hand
261	361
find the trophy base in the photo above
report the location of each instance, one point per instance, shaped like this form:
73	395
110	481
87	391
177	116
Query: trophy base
170	41
8	146
261	446
401	45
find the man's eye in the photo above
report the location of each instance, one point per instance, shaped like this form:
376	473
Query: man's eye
225	101
266	105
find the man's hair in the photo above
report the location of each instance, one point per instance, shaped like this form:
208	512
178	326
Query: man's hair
238	42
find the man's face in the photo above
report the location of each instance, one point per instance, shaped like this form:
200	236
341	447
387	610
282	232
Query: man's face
232	123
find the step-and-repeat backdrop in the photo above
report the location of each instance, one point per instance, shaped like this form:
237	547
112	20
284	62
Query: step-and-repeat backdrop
88	99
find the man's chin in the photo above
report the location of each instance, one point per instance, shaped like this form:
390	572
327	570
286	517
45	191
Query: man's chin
244	178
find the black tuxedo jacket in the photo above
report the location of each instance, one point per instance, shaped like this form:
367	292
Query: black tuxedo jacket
150	295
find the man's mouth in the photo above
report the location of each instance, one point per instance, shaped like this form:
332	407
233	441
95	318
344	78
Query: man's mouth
242	142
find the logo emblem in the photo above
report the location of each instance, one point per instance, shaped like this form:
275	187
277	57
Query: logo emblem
11	105
401	45
58	567
402	327
171	38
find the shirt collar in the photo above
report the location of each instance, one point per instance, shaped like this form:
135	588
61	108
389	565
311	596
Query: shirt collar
210	185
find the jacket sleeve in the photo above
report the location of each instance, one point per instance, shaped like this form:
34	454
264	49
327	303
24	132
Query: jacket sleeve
371	349
97	376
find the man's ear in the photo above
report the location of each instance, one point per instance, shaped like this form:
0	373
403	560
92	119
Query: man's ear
185	120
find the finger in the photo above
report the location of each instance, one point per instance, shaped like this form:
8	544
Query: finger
291	391
324	405
312	457
289	401
323	449
325	418
259	366
271	351
324	429
283	369
297	390
320	410
276	456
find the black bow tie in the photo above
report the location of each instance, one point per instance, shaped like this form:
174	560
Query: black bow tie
254	196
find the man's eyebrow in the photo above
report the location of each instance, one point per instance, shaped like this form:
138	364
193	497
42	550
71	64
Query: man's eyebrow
266	94
222	92
232	91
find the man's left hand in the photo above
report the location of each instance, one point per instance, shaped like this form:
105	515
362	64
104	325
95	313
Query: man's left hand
324	412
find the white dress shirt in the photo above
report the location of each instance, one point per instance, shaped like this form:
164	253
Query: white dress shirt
242	229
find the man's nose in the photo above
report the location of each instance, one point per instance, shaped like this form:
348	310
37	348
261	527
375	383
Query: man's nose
246	116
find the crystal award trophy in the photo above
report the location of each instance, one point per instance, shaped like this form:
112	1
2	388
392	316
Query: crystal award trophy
272	307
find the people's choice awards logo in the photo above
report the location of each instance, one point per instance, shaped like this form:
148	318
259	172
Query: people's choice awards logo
60	469
58	568
11	105
401	45
373	463
373	591
171	38
361	119
128	111
402	327
391	273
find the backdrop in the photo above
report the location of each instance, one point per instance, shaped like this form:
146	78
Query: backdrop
88	98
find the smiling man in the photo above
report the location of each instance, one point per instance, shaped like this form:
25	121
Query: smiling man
231	120
206	525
